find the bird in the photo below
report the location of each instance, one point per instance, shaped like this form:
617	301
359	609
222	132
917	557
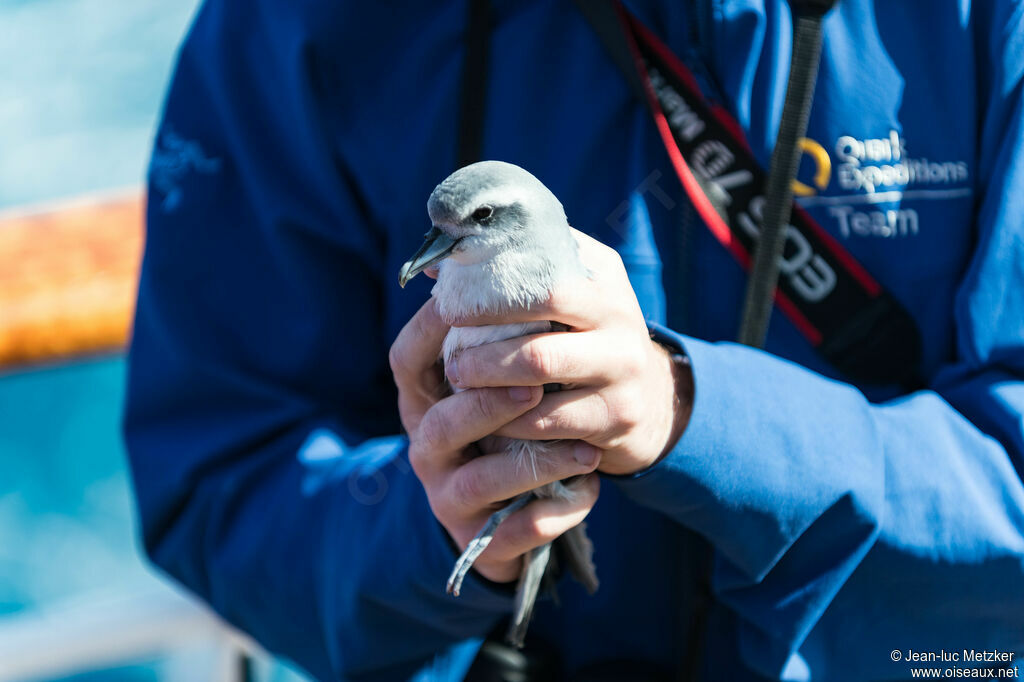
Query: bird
500	241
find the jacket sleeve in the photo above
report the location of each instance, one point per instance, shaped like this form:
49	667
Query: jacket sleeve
845	529
260	419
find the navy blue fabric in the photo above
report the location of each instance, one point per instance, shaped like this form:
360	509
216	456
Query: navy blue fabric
290	171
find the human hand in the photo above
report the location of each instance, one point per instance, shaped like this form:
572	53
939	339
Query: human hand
464	489
622	392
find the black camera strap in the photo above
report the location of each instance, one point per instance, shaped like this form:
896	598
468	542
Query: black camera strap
842	311
473	91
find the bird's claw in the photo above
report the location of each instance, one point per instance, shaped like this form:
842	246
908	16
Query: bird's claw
479	543
475	548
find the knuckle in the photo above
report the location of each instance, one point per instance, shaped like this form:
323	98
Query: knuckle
469	366
610	258
634	358
556	421
618	442
530	527
542	529
620	414
544	424
467	488
591	488
396	358
418	462
513	537
442	510
628	417
559	299
484	403
433	434
540	359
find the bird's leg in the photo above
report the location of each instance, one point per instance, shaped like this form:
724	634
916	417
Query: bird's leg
526	593
479	543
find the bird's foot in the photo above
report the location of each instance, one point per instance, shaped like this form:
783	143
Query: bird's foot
479	543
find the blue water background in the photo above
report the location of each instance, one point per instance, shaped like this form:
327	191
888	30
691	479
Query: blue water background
81	84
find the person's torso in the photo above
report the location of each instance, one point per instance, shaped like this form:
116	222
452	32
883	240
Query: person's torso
889	168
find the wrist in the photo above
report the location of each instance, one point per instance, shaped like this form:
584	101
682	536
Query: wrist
672	393
682	395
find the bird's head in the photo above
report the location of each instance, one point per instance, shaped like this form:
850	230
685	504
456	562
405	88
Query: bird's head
483	209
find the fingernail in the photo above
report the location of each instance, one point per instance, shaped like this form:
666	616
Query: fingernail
452	371
585	454
520	394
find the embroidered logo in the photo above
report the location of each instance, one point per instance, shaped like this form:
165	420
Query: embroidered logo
822	168
874	164
174	157
878	174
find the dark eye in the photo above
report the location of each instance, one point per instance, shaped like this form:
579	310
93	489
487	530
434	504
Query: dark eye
482	213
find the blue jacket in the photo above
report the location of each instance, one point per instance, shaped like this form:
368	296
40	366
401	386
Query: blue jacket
297	148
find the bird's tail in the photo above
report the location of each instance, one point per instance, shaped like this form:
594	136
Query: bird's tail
527	590
577	551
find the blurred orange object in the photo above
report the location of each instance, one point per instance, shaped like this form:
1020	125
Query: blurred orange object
68	275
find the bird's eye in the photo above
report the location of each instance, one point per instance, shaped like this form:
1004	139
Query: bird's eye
482	213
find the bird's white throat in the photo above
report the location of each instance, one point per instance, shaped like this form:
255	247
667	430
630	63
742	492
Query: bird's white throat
511	280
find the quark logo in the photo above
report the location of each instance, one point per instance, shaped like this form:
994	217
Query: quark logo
870	164
822	168
876	178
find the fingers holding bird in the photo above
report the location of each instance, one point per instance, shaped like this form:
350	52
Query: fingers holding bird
438	445
543	520
464	492
619	390
493	479
575	358
414	364
622	392
538	523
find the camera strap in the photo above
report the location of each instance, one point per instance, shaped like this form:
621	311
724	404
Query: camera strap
842	311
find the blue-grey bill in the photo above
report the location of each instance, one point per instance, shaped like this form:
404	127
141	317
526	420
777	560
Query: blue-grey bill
436	246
